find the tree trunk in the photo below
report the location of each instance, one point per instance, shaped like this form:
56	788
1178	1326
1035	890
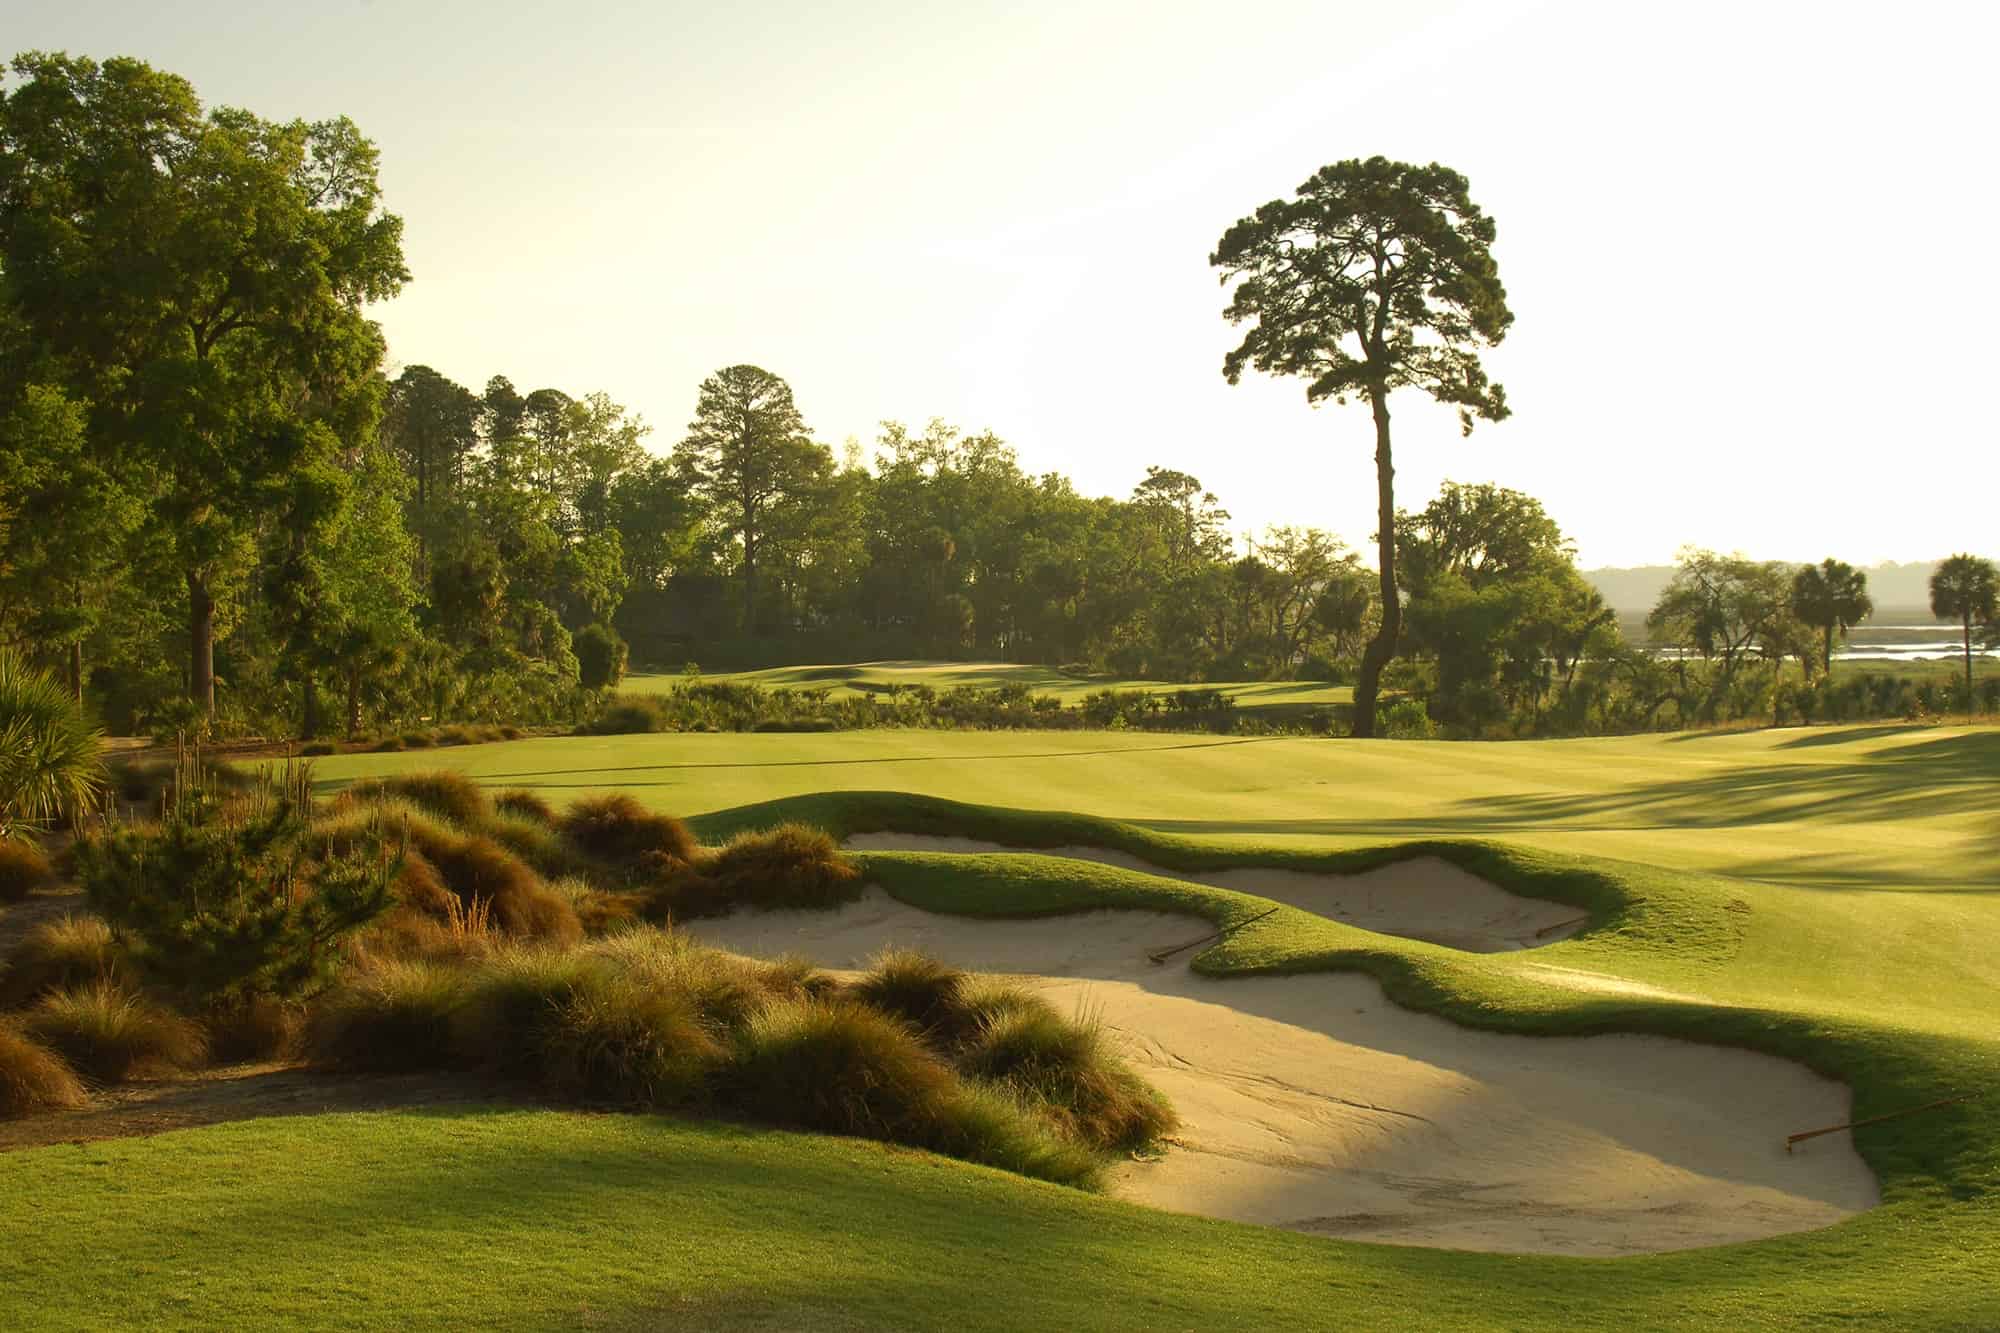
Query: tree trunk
309	728
1966	621
1383	646
749	584
201	643
354	700
1828	658
76	670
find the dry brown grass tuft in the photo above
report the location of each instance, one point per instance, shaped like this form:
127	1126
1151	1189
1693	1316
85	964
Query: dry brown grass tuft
257	1030
442	792
23	869
34	1078
618	830
524	804
70	952
920	990
110	1036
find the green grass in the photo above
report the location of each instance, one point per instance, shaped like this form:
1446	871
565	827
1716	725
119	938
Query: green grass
1827	895
847	681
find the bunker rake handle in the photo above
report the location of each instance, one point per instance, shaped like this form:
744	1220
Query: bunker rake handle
1791	1139
1162	955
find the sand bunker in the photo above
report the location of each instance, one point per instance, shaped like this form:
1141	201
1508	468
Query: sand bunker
1421	899
1311	1102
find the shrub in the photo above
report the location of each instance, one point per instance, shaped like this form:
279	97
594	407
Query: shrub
109	1036
23	869
390	745
259	1029
511	1003
226	903
457	735
627	715
440	791
419	740
157	786
72	952
316	749
629	1043
510	732
33	1077
619	830
524	804
476	868
393	1019
1061	1068
1408	719
920	990
51	759
600	657
788	866
840	1068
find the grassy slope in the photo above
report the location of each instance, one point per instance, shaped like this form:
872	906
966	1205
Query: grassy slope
846	680
1867	956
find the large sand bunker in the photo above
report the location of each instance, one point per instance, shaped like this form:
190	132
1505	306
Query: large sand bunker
1311	1102
1421	899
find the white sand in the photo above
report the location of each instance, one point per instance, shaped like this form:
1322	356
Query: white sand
1421	899
1311	1102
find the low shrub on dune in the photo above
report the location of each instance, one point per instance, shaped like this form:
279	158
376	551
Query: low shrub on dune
34	1078
524	804
108	1035
920	990
792	865
68	953
23	869
618	830
441	791
1061	1068
258	1029
394	1018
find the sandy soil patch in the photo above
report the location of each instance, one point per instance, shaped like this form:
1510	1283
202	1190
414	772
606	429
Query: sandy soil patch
1421	899
1313	1103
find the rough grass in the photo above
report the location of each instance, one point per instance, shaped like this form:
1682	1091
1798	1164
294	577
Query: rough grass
34	1078
23	869
441	791
790	866
70	952
920	990
618	830
110	1036
525	804
1062	1068
259	1029
395	1018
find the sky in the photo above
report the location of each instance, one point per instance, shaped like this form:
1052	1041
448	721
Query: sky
1748	246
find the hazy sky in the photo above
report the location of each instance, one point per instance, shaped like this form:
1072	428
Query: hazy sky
1749	246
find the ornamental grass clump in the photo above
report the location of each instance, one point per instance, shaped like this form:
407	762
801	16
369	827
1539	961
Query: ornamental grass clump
70	952
792	865
441	791
619	831
1061	1068
23	869
923	992
34	1078
394	1018
109	1036
524	804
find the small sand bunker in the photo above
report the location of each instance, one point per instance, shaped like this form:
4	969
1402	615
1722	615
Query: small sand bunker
1421	899
1311	1102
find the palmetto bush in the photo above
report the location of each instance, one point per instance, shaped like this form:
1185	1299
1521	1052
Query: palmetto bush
51	762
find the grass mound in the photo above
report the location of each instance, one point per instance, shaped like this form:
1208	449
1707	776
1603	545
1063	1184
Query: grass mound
396	1018
23	869
110	1036
259	1029
442	791
524	804
69	953
920	990
33	1077
619	830
1062	1069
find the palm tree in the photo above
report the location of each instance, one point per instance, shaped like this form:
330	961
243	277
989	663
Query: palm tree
1831	595
1966	588
51	758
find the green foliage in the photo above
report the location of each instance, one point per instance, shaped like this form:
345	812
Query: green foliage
601	656
1830	597
51	760
224	901
1377	275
